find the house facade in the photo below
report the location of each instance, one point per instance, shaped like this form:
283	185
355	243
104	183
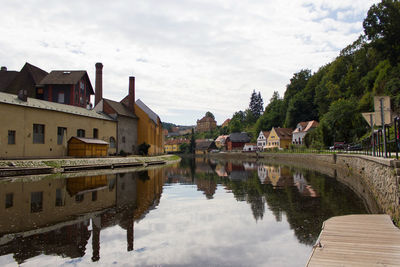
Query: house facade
150	129
262	140
236	141
41	129
206	124
204	147
250	147
301	130
173	145
279	138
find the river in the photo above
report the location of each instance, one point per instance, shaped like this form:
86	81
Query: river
198	212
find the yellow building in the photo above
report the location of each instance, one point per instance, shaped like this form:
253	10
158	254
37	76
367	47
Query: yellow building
279	138
173	145
150	130
39	129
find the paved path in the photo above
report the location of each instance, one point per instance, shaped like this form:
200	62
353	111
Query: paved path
357	240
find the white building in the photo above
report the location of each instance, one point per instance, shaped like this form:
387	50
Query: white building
262	140
301	130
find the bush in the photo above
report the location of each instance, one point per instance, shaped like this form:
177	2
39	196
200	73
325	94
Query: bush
144	149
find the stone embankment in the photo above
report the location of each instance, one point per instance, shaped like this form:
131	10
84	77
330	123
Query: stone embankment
46	166
379	176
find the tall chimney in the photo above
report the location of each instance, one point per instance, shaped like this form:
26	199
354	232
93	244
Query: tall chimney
131	96
99	83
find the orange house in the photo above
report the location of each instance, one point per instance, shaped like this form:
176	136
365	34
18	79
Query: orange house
150	130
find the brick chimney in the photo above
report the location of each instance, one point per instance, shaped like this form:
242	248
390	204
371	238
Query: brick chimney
99	83
131	96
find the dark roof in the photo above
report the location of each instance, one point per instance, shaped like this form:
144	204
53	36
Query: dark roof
90	140
63	77
26	79
284	133
66	77
37	73
6	78
152	115
120	108
239	137
205	145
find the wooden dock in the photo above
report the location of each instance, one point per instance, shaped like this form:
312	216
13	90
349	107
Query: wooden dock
357	240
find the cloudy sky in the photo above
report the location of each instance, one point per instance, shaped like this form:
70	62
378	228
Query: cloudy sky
188	56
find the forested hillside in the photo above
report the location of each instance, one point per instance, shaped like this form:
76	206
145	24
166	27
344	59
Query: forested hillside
338	92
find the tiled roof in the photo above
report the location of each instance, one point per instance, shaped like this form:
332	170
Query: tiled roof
306	125
152	115
120	108
239	137
177	141
90	140
284	133
42	104
221	138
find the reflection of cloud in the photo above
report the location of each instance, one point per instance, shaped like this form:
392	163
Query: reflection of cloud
218	48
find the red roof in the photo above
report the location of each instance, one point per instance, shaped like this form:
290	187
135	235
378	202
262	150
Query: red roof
284	133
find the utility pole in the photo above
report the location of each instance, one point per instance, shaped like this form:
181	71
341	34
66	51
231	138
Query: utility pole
383	128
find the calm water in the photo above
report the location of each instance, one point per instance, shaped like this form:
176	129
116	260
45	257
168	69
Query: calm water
197	213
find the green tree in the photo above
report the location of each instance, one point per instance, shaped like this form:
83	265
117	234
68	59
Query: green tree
144	149
274	115
192	147
382	27
210	115
256	105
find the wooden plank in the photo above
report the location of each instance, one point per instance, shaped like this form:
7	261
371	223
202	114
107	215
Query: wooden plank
357	240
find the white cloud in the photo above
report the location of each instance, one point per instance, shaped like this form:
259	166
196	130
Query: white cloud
186	55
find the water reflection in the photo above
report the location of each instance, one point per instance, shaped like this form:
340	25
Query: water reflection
97	218
59	216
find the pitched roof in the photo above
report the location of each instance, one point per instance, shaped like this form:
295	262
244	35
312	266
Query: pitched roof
226	122
266	134
42	104
152	115
221	138
310	125
204	145
37	73
177	141
63	77
239	137
284	133
120	108
6	78
90	140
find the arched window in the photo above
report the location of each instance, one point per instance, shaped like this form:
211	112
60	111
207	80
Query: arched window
112	142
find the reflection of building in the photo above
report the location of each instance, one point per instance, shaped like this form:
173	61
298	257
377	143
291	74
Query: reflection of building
55	216
262	173
304	188
278	176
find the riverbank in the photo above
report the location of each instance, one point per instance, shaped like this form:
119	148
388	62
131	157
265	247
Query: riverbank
51	166
362	173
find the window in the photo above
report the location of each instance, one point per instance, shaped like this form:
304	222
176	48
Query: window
94	195
11	137
61	97
36	201
61	132
9	200
59	198
112	142
95	133
38	133
123	139
80	133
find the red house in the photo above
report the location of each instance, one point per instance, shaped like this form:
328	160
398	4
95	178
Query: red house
236	141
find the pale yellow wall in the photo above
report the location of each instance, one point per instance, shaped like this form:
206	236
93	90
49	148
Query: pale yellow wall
171	148
149	132
273	139
21	119
22	219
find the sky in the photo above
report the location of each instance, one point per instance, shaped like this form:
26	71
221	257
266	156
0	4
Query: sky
188	56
